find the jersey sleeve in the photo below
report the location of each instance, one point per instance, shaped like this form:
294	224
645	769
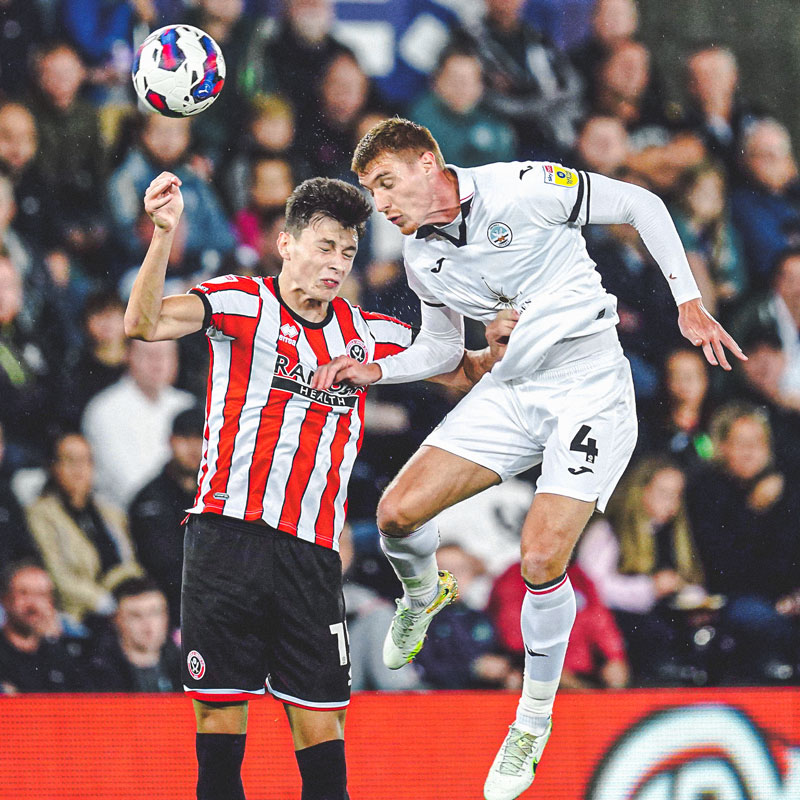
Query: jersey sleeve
553	194
225	297
391	335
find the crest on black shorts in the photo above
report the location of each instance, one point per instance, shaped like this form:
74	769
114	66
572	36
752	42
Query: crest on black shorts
358	350
196	664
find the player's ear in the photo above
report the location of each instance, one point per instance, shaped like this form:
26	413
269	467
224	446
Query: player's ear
285	242
428	161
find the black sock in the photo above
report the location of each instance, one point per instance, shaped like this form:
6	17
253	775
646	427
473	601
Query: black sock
323	770
219	766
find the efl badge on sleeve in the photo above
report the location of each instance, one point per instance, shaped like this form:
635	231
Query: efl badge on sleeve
556	175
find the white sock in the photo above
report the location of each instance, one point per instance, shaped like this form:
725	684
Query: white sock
548	613
413	559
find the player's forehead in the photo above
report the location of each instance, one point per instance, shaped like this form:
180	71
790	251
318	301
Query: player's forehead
322	228
386	164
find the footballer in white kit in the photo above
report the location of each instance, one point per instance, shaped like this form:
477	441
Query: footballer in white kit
508	236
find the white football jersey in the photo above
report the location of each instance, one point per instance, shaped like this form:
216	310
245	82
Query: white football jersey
517	243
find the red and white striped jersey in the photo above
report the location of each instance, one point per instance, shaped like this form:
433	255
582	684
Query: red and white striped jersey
275	449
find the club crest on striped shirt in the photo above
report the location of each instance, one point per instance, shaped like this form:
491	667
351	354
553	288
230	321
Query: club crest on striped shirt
358	350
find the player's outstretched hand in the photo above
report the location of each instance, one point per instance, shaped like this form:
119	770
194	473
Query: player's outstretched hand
344	369
498	331
702	330
163	201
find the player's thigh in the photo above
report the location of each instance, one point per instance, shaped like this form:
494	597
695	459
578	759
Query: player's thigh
550	531
310	657
224	600
432	480
220	717
310	727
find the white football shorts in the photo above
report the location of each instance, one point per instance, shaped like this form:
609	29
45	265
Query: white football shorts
578	421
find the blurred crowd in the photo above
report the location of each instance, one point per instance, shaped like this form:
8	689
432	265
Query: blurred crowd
692	577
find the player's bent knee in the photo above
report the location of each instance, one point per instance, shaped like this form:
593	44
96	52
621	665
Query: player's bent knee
395	516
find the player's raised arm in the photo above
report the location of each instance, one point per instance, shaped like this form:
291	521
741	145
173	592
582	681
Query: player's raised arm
613	202
149	314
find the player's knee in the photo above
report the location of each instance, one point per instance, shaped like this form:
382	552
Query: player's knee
395	515
542	564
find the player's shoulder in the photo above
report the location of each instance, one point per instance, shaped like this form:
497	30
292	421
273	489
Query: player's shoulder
369	317
238	283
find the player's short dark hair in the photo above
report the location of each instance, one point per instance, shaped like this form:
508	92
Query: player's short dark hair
327	197
133	587
396	136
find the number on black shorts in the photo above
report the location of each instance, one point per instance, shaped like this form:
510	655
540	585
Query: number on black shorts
589	446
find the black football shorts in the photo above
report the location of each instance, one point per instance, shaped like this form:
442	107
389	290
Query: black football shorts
261	609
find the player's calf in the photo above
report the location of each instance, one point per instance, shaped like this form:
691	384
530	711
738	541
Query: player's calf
323	770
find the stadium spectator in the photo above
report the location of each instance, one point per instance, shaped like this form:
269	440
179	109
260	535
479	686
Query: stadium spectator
674	421
289	57
83	540
103	357
368	616
128	424
717	110
596	651
271	183
530	83
137	655
766	210
21	30
642	558
657	150
35	656
157	512
454	113
327	137
602	146
71	152
779	310
164	143
747	540
712	244
16	542
461	651
613	22
31	348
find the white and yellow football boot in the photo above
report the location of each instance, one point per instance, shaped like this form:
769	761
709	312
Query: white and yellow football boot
515	764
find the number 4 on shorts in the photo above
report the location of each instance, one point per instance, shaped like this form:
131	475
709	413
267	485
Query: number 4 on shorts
589	446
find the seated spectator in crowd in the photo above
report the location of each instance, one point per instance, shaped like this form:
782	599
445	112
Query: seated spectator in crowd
766	209
712	244
602	146
717	110
71	153
368	618
744	513
326	138
129	455
596	652
675	420
137	655
34	655
453	112
271	183
225	21
641	558
269	134
104	356
164	144
31	383
22	29
461	651
289	57
16	542
83	540
657	150
157	512
779	311
530	82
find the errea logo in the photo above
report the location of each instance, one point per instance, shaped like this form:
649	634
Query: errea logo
288	333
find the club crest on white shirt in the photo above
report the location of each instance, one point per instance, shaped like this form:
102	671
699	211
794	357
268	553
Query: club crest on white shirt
499	234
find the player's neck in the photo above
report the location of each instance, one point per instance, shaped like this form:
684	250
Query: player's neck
300	302
445	199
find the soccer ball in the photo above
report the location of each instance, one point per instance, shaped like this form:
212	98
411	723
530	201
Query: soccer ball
178	71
